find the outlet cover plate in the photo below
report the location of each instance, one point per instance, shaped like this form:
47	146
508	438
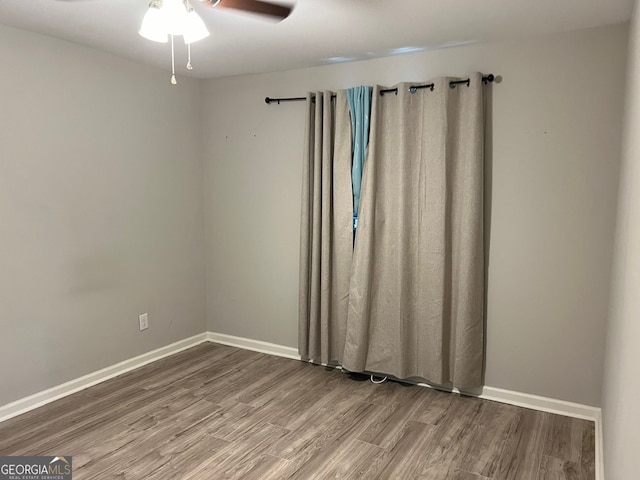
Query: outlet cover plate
144	321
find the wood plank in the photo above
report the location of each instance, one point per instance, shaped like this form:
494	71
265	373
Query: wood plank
455	434
462	475
564	438
523	450
554	469
434	406
588	451
405	458
490	433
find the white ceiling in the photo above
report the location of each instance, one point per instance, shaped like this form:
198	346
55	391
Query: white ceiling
317	32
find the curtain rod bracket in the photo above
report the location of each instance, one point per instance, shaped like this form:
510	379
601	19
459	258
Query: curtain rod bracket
415	88
388	90
455	83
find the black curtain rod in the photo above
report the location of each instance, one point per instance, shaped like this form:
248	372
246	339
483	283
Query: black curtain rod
413	88
292	99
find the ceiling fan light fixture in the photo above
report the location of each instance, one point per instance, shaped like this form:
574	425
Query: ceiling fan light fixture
175	16
194	28
153	24
168	18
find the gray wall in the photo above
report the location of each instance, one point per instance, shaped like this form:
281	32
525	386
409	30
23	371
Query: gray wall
101	211
556	143
621	391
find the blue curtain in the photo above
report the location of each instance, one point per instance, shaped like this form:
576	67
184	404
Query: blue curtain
360	108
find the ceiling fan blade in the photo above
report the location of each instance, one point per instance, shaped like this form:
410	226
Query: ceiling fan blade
253	6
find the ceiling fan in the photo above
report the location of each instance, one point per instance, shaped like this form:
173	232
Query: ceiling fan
253	6
166	19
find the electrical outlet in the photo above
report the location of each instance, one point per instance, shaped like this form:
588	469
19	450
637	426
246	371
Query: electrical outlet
144	321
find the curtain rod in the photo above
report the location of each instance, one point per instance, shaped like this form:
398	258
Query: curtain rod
413	88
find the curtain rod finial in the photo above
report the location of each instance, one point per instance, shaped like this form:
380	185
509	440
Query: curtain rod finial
489	78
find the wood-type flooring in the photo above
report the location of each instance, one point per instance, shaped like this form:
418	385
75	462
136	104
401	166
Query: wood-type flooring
217	412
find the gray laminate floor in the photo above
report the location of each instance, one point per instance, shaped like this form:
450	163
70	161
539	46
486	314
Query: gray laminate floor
216	412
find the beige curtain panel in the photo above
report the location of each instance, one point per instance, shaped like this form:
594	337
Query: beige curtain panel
415	288
325	229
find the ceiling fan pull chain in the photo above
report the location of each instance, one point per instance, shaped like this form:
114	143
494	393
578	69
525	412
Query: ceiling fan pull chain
173	64
189	66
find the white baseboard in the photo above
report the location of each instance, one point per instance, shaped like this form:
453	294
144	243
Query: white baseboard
599	448
544	404
519	399
254	345
42	398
